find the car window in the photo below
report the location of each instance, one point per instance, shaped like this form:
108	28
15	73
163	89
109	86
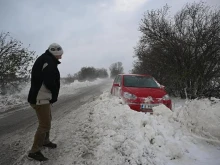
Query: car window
119	80
115	81
139	81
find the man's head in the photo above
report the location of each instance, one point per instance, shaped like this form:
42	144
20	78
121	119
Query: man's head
56	50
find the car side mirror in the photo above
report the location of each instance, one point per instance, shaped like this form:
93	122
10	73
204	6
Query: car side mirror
162	86
116	85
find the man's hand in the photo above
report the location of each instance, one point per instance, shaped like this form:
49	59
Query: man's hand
53	100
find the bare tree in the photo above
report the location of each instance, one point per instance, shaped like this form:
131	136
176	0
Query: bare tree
91	73
69	79
115	69
182	52
14	63
102	73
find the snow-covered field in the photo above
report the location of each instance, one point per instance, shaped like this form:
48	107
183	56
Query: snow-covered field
106	132
17	99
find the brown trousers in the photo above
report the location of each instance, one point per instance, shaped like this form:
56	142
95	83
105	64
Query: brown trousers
43	131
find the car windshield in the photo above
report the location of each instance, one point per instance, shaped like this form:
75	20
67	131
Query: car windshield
140	82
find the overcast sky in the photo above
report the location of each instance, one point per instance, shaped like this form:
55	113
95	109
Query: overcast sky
92	32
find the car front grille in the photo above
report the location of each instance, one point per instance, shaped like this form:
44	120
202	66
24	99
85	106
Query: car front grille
154	100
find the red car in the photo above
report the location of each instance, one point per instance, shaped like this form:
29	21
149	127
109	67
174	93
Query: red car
140	92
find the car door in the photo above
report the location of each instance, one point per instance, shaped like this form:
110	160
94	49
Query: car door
118	86
114	85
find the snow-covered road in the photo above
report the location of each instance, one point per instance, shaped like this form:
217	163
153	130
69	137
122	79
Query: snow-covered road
104	132
17	126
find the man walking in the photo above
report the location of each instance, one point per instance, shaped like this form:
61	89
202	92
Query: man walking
45	86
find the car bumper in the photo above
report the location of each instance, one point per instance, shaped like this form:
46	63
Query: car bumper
137	106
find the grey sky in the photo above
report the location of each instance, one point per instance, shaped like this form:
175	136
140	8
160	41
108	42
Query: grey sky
92	32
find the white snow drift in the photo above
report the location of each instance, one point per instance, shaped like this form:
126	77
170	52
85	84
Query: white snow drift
105	132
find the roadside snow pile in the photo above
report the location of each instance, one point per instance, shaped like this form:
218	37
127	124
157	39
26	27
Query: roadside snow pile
131	137
202	117
17	99
106	132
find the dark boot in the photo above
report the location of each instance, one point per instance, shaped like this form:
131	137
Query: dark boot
37	156
50	145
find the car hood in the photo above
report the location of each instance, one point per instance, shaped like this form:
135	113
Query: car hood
145	92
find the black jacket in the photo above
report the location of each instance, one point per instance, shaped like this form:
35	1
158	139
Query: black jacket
45	80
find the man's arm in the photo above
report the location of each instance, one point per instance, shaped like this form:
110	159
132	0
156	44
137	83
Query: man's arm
49	78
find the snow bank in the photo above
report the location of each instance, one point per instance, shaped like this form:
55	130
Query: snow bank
17	99
202	117
130	137
106	132
20	98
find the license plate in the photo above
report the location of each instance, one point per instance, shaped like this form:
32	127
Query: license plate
148	106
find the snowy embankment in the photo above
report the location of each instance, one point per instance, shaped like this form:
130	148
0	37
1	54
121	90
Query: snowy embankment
106	132
20	98
166	137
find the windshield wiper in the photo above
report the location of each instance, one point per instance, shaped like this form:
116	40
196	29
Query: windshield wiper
131	86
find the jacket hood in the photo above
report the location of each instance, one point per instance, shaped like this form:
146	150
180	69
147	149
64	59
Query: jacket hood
54	58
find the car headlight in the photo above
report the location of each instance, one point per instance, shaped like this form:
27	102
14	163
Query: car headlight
128	95
166	97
